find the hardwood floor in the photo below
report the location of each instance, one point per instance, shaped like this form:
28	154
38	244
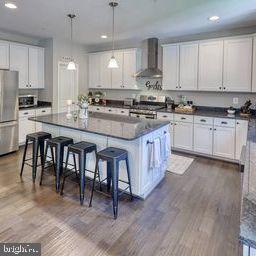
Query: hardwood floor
194	214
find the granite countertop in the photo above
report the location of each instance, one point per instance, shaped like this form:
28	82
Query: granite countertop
40	104
248	208
208	111
116	126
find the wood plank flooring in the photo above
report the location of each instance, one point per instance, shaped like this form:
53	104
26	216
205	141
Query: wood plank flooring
194	214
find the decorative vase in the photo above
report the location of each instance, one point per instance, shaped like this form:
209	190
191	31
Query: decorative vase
83	113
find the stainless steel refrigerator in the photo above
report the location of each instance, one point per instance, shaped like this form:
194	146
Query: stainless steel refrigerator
9	127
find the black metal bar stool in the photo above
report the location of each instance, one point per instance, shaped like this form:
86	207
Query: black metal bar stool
113	156
58	144
81	149
37	140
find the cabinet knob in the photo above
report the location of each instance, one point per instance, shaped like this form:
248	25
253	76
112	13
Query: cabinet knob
210	129
237	123
203	120
220	87
215	129
177	87
224	122
183	118
224	88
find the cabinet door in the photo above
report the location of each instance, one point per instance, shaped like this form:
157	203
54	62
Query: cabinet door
117	73
36	67
41	112
203	138
188	66
4	55
183	135
254	66
129	69
241	136
171	67
224	142
237	72
19	62
105	72
210	66
25	127
94	71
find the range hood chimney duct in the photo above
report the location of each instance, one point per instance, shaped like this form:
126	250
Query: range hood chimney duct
152	71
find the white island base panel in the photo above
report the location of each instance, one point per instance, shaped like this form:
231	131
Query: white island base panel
143	178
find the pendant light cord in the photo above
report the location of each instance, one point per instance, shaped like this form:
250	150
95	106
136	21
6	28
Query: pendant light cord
71	35
113	30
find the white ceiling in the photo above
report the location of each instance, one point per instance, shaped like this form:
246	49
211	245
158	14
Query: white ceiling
135	19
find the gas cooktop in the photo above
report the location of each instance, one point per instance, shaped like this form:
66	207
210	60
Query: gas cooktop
147	107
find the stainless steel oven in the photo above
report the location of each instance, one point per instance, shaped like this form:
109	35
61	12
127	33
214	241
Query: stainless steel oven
26	101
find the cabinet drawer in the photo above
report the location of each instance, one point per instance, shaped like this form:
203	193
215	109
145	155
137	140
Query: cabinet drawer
183	118
224	122
203	120
165	116
96	109
27	113
122	111
43	111
110	110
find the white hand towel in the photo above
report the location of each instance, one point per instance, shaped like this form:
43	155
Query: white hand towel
151	155
157	153
165	146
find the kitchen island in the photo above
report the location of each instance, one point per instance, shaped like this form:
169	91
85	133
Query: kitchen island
107	130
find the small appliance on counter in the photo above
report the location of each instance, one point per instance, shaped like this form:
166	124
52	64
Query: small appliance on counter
26	101
231	111
185	106
245	109
170	104
129	102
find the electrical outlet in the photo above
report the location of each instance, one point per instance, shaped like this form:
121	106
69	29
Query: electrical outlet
235	101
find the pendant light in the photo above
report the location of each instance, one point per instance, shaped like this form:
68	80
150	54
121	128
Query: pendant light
71	64
112	62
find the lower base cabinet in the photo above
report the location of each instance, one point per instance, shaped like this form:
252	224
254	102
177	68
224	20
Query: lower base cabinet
224	142
183	135
203	139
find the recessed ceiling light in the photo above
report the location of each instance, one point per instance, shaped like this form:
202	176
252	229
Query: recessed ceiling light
10	5
104	36
214	18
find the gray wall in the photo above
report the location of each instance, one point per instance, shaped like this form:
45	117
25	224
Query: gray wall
199	98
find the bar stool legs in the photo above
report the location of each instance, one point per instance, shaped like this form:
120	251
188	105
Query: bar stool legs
24	158
115	179
94	179
82	164
129	177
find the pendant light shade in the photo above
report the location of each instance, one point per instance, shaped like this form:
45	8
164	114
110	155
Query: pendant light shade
113	62
71	64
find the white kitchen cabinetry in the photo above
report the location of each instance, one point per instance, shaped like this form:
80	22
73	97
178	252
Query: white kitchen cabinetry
171	67
224	142
203	138
94	70
42	112
105	72
183	135
100	76
237	73
36	67
19	62
4	55
117	73
241	136
26	126
188	66
29	61
96	109
210	66
254	66
131	65
168	117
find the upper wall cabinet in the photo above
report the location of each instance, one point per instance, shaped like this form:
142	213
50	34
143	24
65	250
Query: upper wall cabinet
210	66
94	73
100	76
29	61
254	66
237	71
171	67
4	55
188	66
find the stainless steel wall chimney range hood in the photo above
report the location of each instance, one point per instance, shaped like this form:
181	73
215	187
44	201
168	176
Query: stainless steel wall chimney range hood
152	71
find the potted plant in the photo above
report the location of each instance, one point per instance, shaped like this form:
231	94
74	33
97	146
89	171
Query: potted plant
97	96
83	104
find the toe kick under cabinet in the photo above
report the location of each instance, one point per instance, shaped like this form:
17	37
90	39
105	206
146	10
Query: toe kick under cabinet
215	137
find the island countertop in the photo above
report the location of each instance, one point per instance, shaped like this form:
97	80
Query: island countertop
116	126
